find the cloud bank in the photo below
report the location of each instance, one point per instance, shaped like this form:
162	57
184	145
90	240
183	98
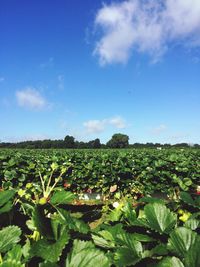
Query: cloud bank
147	27
98	126
30	98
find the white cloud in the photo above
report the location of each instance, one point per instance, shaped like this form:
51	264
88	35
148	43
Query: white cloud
159	129
94	126
118	122
145	26
30	98
98	126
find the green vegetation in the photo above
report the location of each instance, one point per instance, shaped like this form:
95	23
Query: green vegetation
45	220
118	140
140	170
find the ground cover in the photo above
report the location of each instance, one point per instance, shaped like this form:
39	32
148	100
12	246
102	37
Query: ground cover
47	220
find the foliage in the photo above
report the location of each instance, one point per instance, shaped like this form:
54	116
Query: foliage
118	141
128	228
135	172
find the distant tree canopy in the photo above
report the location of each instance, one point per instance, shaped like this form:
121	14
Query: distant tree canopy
118	141
69	141
94	143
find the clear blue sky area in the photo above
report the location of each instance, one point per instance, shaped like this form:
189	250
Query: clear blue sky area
94	68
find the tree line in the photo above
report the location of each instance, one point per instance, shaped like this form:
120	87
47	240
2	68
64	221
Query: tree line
118	140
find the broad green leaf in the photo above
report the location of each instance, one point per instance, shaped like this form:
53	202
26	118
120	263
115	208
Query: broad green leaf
5	196
189	200
160	218
110	232
50	251
125	257
5	200
151	200
12	263
128	240
143	238
72	223
79	226
187	181
181	240
160	249
192	223
56	227
197	201
6	208
102	242
84	254
170	262
186	198
42	223
26	249
48	264
192	257
115	214
107	237
15	253
54	166
62	197
9	236
129	213
129	250
10	175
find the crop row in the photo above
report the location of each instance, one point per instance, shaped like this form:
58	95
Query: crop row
132	171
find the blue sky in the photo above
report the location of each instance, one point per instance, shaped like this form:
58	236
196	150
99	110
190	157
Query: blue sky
91	69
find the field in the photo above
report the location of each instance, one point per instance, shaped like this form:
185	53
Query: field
78	208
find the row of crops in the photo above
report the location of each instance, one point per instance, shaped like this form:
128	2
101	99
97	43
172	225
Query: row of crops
44	222
145	170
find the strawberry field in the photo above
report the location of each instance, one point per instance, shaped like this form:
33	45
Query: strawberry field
78	208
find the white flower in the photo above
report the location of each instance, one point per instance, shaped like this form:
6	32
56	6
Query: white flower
116	204
86	197
98	196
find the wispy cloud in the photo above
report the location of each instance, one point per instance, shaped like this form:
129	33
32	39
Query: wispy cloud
117	122
179	137
30	98
98	126
47	64
5	102
94	126
31	137
159	129
2	79
145	27
61	82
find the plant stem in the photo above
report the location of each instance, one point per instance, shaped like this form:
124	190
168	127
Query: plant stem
42	181
54	185
49	182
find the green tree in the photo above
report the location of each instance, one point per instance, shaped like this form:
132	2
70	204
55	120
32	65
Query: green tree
118	141
94	143
69	141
